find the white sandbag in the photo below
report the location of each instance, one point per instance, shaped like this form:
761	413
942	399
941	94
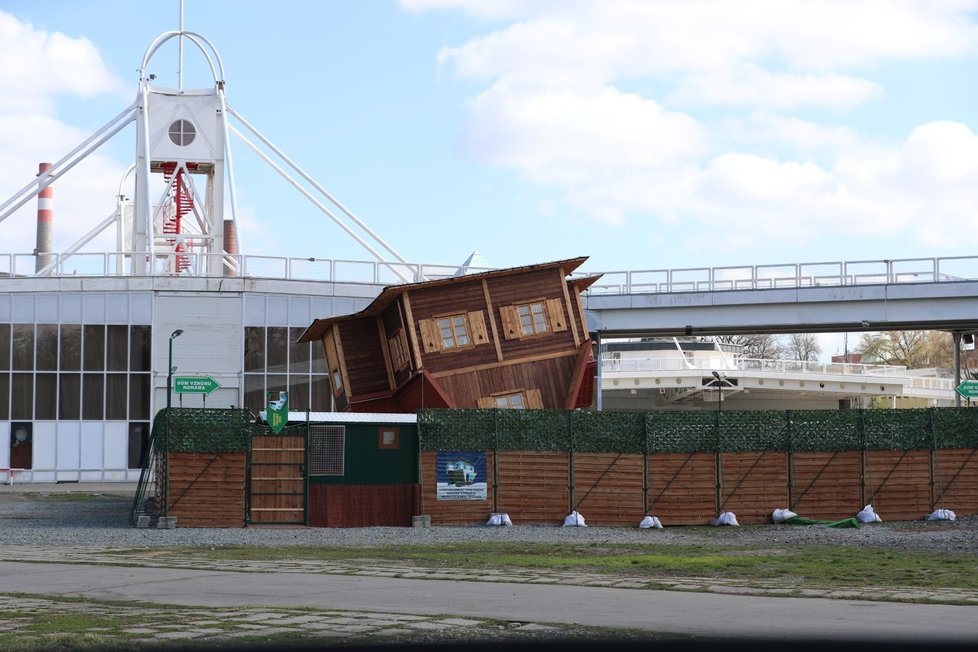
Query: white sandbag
941	515
782	515
574	520
867	515
650	522
499	519
726	518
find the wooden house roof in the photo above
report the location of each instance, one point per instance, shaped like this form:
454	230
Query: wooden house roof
388	294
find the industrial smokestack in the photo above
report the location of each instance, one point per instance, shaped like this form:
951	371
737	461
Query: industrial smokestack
230	248
45	219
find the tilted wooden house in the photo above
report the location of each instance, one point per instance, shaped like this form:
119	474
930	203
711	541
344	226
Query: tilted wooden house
508	338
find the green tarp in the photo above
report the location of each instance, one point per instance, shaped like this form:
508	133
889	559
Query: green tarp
801	520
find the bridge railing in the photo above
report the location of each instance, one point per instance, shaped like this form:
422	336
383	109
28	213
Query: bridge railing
691	279
652	363
790	275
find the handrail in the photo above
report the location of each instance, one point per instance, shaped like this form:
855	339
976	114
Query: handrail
656	281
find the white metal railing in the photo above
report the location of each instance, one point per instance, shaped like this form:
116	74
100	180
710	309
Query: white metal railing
937	384
632	364
797	275
697	279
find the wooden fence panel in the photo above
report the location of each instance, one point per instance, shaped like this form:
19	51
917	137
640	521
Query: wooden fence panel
826	485
956	480
278	479
206	489
533	486
608	488
754	485
452	512
898	484
683	487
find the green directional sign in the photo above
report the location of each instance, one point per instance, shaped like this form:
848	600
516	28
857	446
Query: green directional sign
194	385
968	389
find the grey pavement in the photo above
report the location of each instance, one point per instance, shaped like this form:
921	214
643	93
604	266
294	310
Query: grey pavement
699	614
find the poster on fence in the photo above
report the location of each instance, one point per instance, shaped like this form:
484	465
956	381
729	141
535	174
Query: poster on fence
461	475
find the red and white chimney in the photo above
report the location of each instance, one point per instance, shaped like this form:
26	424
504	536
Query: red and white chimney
45	222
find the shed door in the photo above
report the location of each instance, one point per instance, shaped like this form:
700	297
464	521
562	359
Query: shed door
278	479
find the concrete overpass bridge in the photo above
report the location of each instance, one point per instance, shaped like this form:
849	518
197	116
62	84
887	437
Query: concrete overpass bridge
913	294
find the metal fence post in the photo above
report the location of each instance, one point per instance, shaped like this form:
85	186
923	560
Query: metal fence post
570	460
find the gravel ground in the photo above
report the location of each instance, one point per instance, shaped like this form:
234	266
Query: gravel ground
82	519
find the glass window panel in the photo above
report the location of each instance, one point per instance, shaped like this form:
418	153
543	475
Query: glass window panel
118	348
276	384
539	318
70	347
139	396
94	348
5	347
93	397
461	335
22	396
47	347
69	396
140	338
254	392
4	397
299	393
138	443
24	347
318	355
115	396
278	343
320	394
46	397
298	353
254	345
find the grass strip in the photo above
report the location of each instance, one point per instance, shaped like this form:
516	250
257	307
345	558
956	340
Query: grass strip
821	566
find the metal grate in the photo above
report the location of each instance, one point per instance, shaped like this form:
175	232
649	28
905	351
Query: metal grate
327	446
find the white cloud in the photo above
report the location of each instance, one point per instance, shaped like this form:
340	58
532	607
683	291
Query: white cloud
37	68
684	112
762	89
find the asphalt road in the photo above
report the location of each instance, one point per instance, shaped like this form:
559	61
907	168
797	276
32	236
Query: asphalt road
700	614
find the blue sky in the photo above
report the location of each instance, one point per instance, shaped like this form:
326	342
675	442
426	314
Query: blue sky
646	135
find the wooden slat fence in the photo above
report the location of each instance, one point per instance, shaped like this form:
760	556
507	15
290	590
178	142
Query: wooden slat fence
682	488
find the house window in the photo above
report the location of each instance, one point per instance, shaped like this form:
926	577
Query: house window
533	318
333	361
398	350
389	437
454	332
528	399
515	401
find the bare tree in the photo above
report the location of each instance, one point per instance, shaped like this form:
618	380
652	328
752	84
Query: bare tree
804	347
764	347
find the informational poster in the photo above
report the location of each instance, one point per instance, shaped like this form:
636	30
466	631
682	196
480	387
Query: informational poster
461	475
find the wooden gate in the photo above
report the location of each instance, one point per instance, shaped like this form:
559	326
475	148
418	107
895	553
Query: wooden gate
277	480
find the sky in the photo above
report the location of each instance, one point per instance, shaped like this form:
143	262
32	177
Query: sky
645	134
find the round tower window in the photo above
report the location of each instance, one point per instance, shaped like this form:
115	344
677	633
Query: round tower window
182	133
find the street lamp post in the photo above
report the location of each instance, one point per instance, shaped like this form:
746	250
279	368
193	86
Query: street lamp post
164	510
719	379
